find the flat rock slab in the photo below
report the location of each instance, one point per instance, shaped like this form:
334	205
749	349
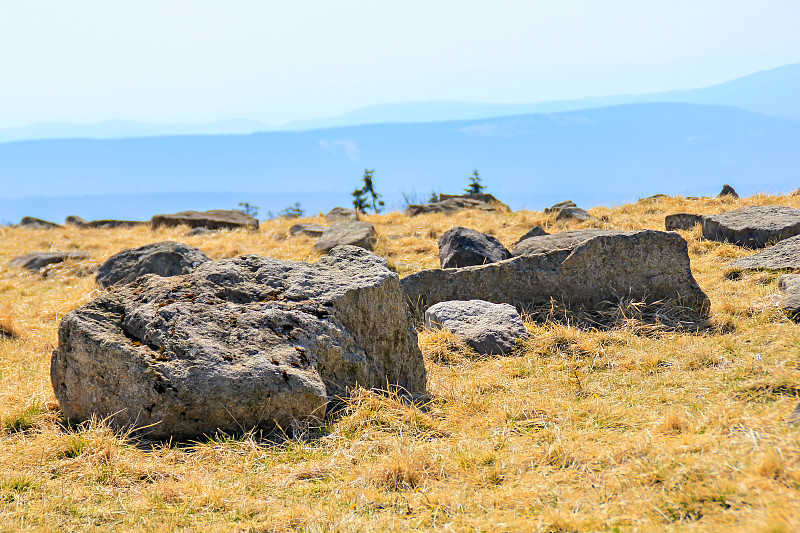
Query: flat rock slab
489	328
168	258
36	260
754	226
250	342
784	255
460	247
37	223
361	234
574	213
216	219
790	285
309	230
682	221
566	240
646	266
341	214
449	204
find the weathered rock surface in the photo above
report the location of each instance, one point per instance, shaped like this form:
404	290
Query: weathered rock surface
460	247
727	190
784	255
168	258
682	221
237	344
361	234
754	226
194	232
216	219
75	220
341	214
102	224
566	240
36	260
559	206
536	231
486	327
647	266
37	223
449	204
309	230
574	213
790	285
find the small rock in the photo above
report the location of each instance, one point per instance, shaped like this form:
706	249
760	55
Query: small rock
309	230
574	213
682	221
536	231
490	329
754	226
36	260
216	219
107	224
559	206
341	214
76	221
168	258
784	255
727	190
37	223
790	285
361	234
449	204
461	247
566	240
194	232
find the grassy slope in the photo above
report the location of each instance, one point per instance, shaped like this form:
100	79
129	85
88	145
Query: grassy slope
617	430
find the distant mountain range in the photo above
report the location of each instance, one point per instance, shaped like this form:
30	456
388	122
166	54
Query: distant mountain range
596	156
772	92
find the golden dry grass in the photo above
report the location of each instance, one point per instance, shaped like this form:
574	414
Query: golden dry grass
624	429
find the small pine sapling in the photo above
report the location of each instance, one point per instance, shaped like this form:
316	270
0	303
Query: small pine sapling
474	186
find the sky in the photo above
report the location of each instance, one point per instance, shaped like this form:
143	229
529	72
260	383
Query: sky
168	61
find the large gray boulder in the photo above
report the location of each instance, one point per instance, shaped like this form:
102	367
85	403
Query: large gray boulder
566	240
37	223
361	234
450	203
341	214
36	260
238	344
215	219
168	258
490	329
790	285
784	255
647	266
727	190
460	247
682	221
753	227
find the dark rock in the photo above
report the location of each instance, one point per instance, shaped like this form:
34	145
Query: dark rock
361	234
784	255
37	223
559	206
646	266
460	247
574	213
790	285
36	260
244	343
536	231
309	230
76	221
486	327
449	204
341	214
727	190
216	219
754	226
164	259
566	240
107	224
682	221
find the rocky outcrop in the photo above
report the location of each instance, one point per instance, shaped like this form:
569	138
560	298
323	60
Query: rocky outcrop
361	234
37	223
488	328
559	206
216	219
449	204
238	344
754	226
727	190
309	230
460	247
566	240
784	255
341	214
646	266
168	258
682	221
102	224
36	260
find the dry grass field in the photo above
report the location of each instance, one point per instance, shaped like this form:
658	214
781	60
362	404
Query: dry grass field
632	428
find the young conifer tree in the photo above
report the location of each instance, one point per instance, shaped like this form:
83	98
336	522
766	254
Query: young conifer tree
474	186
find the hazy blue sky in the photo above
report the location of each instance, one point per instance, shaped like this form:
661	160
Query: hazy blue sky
199	60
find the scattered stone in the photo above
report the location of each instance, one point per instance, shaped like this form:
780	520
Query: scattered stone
76	221
107	224
653	198
460	247
37	223
574	213
790	285
341	214
195	232
36	260
682	221
309	230
646	266
361	234
566	240
784	255
216	219
536	231
559	206
754	226
490	329
245	343
449	204
168	258
727	190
